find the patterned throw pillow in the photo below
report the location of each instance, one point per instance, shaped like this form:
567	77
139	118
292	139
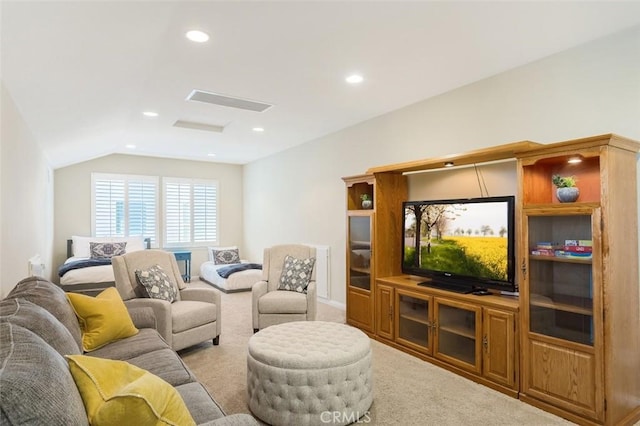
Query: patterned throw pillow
225	257
107	250
157	283
296	274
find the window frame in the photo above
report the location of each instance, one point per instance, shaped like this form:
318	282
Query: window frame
191	182
127	178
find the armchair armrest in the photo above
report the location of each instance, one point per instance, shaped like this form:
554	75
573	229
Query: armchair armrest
162	312
258	290
311	301
142	317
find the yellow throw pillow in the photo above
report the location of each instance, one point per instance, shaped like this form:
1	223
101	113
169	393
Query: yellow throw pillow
103	318
118	393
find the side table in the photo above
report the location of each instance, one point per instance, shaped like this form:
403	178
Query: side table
185	256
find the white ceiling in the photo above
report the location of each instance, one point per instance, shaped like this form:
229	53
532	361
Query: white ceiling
81	73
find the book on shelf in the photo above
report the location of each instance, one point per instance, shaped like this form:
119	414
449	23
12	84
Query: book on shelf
578	249
542	252
574	254
582	243
548	245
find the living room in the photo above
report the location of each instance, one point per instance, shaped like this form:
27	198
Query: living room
297	195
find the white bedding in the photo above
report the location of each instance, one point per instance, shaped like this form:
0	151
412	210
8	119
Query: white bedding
93	274
238	281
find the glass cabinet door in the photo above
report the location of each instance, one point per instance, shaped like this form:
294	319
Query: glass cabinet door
560	277
458	338
360	251
414	326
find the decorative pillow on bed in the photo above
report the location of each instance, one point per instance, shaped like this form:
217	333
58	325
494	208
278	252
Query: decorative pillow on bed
296	274
106	250
157	283
225	256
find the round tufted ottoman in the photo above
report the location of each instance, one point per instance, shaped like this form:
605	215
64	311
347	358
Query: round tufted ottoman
309	373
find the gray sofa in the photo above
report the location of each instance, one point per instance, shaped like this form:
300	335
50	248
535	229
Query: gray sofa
38	327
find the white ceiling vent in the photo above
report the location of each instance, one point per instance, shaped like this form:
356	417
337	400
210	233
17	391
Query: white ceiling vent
199	126
228	101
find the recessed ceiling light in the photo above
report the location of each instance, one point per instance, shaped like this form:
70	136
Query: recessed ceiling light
197	36
258	129
130	146
211	154
354	79
150	114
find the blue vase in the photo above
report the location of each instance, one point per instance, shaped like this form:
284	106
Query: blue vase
567	195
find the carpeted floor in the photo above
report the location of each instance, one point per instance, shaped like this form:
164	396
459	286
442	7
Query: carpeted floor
407	390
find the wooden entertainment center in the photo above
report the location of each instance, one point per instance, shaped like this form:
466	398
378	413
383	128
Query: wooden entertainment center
570	343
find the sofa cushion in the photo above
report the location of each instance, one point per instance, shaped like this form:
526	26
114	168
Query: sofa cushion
52	298
36	387
200	404
40	321
147	340
166	364
188	314
283	302
103	318
116	392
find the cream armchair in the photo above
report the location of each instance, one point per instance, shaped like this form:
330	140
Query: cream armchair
272	306
194	316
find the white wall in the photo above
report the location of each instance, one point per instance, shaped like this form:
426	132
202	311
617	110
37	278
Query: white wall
26	201
298	196
73	197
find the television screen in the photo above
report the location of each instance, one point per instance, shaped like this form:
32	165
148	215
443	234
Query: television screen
463	244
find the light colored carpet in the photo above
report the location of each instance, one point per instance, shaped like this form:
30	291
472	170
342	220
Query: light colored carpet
407	390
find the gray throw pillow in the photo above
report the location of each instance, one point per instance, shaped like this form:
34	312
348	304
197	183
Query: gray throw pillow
35	318
107	250
36	387
226	257
52	298
296	274
157	283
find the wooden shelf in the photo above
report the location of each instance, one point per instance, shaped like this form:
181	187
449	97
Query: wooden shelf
577	307
459	331
496	153
560	259
415	318
361	270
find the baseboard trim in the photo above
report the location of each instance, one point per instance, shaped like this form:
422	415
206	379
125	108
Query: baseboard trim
333	303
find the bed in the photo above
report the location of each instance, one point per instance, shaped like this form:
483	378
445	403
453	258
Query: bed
227	272
82	274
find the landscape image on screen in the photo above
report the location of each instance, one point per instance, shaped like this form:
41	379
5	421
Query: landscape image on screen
467	239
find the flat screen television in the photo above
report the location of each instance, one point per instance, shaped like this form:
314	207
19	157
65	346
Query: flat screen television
463	245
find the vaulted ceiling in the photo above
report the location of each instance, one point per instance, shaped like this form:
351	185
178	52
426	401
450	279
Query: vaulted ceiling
82	73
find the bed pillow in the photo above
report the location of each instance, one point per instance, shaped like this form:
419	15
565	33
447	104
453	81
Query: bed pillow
80	245
106	250
224	255
296	274
157	283
103	319
116	392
